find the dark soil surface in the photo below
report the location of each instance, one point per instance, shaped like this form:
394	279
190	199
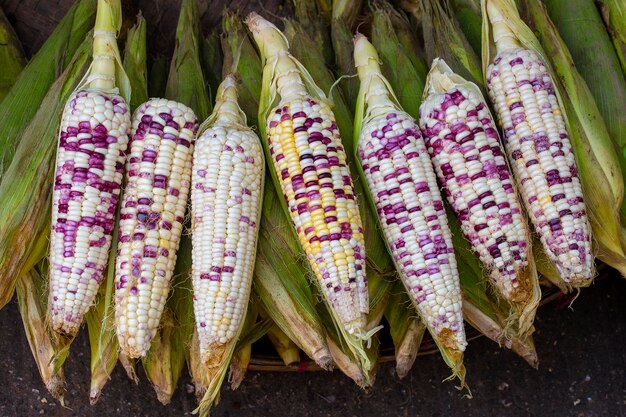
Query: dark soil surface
582	372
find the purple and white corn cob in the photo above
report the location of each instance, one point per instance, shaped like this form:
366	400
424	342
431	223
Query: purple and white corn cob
537	143
469	160
403	186
151	219
89	170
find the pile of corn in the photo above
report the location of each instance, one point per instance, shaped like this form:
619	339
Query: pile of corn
452	159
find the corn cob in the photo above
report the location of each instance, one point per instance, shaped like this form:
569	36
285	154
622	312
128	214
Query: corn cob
538	146
403	187
12	58
310	167
228	172
153	209
465	149
596	158
90	164
185	84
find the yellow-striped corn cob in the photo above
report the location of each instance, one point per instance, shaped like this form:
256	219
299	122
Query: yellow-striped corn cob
89	169
226	198
403	186
538	146
310	163
151	220
465	149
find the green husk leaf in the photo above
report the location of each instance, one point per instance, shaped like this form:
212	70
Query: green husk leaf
614	15
341	37
280	281
49	352
598	165
12	60
580	25
212	61
273	40
406	328
24	100
135	58
467	13
157	79
25	191
242	60
243	348
189	90
444	39
316	30
346	10
398	63
101	327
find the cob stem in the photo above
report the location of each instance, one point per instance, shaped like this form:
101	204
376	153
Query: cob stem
503	37
376	90
105	49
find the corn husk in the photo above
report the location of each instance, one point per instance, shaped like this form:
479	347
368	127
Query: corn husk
405	71
252	331
12	59
467	13
614	15
240	53
49	352
171	346
406	328
101	328
212	61
192	91
341	33
268	100
444	39
280	282
157	79
580	25
25	191
25	98
135	57
317	30
598	167
288	351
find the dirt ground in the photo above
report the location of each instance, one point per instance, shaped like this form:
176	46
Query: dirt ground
582	372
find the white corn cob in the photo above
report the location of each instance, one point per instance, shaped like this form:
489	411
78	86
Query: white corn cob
537	143
465	149
226	198
89	170
151	220
404	189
